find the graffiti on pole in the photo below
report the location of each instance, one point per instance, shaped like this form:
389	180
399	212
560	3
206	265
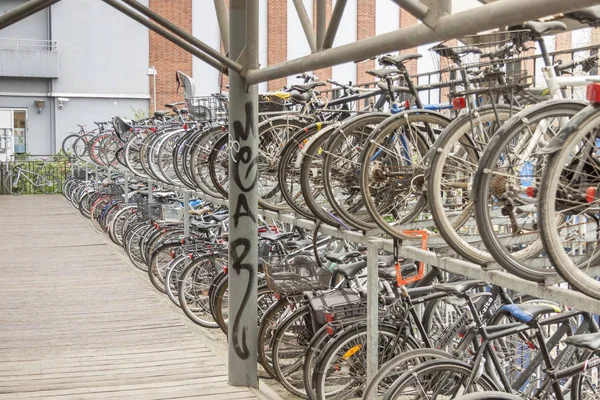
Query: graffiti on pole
244	173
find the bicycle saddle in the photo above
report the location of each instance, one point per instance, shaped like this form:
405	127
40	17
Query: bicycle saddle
527	312
219	217
300	97
397	89
383	72
400	58
389	273
590	341
276	236
171	105
340	258
543	27
201	225
298	243
458	287
161	113
590	15
305	87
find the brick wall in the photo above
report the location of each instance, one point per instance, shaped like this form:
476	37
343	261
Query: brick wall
406	20
563	42
365	29
277	39
166	57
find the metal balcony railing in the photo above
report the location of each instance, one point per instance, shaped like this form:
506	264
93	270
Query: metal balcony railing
28	44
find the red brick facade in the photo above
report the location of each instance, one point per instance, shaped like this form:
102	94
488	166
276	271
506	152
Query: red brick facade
277	38
365	15
406	20
166	57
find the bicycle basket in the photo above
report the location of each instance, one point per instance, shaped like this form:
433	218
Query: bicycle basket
208	108
298	274
483	61
172	213
150	210
270	103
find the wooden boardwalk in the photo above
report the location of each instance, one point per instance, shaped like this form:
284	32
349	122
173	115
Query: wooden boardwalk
78	322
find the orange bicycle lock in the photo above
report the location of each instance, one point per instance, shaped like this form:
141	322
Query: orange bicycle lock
400	280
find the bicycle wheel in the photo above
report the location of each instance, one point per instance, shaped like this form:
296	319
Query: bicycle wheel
438	379
290	343
490	396
453	162
507	218
50	184
289	170
266	332
341	371
569	215
193	289
390	371
13	183
173	277
159	264
393	169
341	169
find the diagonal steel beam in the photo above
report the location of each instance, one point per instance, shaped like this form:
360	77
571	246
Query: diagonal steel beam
306	25
321	22
334	23
23	11
495	15
185	35
167	35
223	20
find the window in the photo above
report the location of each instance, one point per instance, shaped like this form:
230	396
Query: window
20	130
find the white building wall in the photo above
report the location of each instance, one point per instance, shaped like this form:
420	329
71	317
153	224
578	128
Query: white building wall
297	45
206	28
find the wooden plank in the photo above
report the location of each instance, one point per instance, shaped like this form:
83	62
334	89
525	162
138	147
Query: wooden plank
78	322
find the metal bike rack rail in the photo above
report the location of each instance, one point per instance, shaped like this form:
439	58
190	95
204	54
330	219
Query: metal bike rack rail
242	29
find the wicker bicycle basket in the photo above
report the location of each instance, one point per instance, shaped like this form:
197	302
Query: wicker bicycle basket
299	274
208	108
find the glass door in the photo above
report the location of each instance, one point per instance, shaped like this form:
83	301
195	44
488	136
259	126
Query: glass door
20	131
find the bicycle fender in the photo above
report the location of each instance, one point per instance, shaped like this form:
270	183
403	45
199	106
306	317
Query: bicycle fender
571	128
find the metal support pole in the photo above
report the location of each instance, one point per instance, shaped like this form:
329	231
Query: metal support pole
495	15
372	314
229	63
126	188
87	178
23	11
243	197
150	191
72	170
186	213
334	23
321	22
154	89
306	25
223	20
166	34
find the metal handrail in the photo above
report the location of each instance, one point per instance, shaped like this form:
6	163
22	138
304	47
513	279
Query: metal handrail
27	44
